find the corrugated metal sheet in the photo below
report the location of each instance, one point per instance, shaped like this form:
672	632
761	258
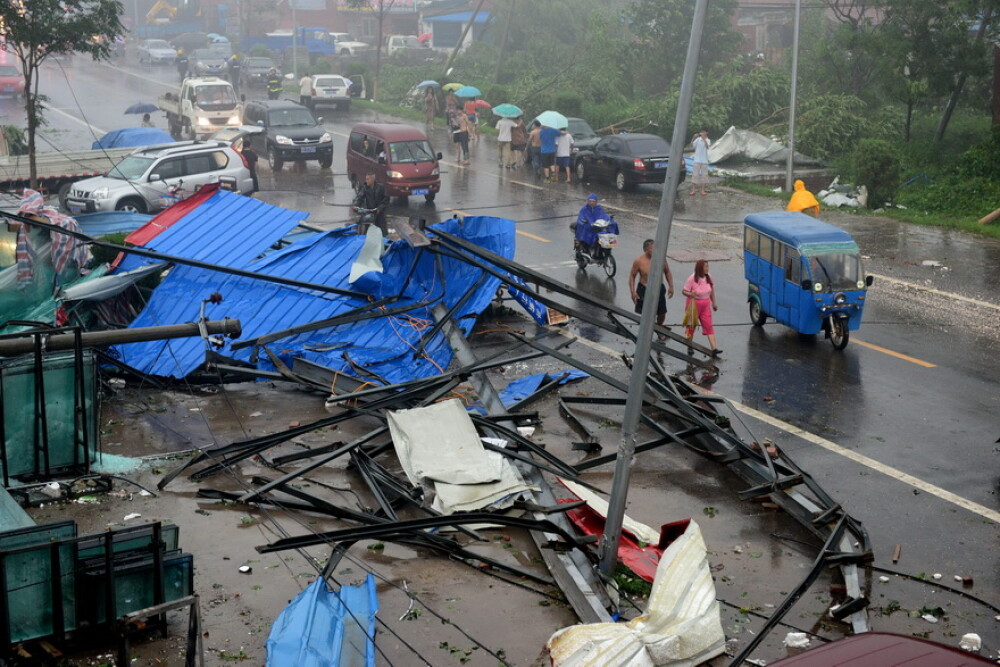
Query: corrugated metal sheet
386	346
227	229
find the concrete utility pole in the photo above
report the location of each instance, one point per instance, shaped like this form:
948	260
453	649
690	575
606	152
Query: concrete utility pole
608	550
790	162
295	41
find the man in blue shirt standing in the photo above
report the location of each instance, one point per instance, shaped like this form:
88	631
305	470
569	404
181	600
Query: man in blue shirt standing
548	136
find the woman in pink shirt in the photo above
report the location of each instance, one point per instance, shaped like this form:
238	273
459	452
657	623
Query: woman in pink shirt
700	288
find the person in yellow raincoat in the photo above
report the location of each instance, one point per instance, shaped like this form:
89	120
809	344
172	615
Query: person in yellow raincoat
803	200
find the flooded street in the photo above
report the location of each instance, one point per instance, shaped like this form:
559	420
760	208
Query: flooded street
900	428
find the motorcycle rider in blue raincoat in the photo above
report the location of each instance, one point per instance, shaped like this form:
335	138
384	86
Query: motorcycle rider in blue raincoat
584	231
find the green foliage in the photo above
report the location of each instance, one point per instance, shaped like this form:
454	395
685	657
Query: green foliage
569	103
877	166
102	255
261	51
321	67
831	125
983	160
356	68
16	144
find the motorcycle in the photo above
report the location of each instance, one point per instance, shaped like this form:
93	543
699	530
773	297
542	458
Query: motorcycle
600	253
366	217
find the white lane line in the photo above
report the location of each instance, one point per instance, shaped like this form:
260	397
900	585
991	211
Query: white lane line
833	447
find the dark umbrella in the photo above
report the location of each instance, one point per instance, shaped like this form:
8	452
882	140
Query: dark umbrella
142	107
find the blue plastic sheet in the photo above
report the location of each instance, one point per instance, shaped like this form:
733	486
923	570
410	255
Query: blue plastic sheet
520	389
323	628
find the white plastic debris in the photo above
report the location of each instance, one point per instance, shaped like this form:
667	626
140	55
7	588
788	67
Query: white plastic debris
930	618
52	490
971	642
256	414
796	640
144	492
936	575
129	517
884	579
116	383
958	577
245	569
526	431
932	263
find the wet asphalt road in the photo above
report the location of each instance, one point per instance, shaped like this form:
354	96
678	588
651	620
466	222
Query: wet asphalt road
900	427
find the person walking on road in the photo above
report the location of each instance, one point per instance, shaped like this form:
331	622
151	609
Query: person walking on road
182	64
700	291
535	147
548	136
505	127
234	72
640	270
564	149
518	142
700	142
273	84
306	91
802	200
430	106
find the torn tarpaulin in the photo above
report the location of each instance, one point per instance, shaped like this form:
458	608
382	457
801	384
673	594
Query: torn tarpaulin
440	450
390	348
518	390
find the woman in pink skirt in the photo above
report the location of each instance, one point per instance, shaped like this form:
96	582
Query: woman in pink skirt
700	288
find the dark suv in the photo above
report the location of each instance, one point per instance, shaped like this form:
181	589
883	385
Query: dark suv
291	133
254	71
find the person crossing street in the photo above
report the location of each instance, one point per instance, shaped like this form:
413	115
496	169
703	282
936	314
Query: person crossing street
273	84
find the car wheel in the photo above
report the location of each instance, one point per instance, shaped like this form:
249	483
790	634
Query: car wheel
345	106
757	315
64	191
403	200
429	198
273	160
581	171
132	204
345	52
621	182
326	162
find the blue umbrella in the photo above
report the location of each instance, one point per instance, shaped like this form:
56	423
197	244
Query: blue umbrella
468	91
428	82
130	137
142	107
552	119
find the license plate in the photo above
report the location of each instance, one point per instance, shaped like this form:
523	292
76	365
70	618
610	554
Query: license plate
308	149
660	165
420	191
74	208
331	91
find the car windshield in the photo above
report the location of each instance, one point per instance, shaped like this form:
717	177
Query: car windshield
836	271
291	118
580	129
409	42
205	54
330	82
648	146
263	63
130	168
157	44
205	95
8	70
221	49
410	151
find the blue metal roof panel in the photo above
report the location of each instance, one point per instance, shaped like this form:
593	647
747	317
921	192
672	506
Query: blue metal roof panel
796	229
458	17
228	229
385	346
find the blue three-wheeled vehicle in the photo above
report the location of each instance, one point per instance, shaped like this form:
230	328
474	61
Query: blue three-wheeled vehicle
805	273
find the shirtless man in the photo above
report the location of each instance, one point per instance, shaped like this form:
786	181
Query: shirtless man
640	267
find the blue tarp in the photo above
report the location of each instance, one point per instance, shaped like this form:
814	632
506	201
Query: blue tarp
384	346
521	388
323	628
133	136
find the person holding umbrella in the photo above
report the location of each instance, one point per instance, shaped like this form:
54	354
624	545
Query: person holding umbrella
146	121
431	105
505	138
472	115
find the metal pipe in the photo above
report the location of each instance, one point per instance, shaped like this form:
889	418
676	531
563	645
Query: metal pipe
608	548
790	161
13	346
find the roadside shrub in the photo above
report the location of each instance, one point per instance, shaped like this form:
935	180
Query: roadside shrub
983	159
877	167
16	142
569	104
954	196
261	51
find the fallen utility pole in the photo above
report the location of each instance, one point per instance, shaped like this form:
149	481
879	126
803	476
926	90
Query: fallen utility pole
608	549
66	341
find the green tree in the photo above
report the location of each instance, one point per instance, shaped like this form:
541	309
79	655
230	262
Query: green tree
663	29
36	29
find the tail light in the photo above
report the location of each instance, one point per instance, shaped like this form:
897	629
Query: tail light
638	164
244	158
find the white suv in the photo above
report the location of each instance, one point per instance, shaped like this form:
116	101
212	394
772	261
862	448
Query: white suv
142	181
331	90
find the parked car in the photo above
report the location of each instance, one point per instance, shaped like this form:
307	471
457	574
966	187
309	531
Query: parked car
156	52
291	133
346	45
331	90
584	137
254	70
141	181
11	81
208	62
625	160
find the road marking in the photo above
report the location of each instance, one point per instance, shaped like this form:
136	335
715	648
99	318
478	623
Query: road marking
869	462
898	355
530	236
833	447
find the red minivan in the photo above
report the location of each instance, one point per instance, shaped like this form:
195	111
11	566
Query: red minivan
400	156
